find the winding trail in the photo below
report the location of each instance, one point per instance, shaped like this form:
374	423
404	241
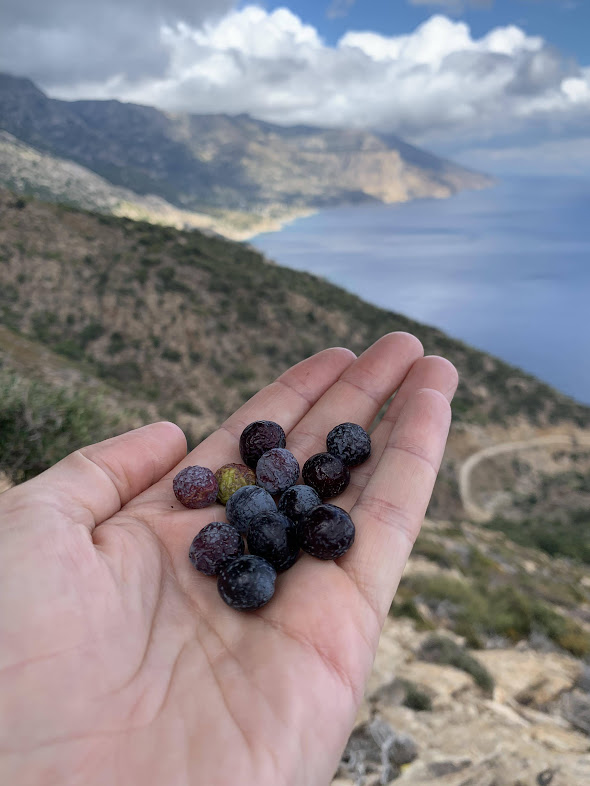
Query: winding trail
472	509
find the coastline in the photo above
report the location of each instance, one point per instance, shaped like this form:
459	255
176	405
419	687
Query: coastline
231	225
283	217
30	172
261	224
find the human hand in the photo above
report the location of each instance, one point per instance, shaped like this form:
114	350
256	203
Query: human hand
120	664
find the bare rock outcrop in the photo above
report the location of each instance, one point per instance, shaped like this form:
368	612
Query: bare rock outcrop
533	731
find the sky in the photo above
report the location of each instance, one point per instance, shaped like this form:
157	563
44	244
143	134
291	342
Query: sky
502	85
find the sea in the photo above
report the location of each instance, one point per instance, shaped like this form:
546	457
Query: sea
506	269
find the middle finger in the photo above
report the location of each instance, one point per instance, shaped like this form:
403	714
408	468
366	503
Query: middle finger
358	395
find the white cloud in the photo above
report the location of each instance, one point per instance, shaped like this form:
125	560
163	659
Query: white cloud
577	89
438	84
65	42
254	33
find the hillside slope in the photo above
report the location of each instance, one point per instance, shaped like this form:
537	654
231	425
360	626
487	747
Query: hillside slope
28	171
204	322
187	326
209	162
479	678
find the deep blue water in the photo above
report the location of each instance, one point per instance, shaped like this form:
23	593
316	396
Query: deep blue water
506	269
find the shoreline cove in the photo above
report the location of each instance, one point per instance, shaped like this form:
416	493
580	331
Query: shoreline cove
280	222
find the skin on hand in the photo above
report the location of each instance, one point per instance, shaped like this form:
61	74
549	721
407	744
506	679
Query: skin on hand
119	663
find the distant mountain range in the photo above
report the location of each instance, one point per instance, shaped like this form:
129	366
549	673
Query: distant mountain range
199	170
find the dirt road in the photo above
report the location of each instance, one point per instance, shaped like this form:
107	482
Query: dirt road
472	509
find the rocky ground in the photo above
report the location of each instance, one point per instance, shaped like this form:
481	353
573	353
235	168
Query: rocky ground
427	722
529	731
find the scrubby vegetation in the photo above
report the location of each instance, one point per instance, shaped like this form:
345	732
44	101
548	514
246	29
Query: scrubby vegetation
40	425
480	599
444	651
567	536
139	302
554	515
415	698
405	607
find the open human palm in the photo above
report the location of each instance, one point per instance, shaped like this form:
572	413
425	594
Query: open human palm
120	664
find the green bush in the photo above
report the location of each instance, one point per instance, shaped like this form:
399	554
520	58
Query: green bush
248	310
568	536
439	587
415	698
10	317
124	373
69	348
218	406
239	373
432	550
480	610
149	261
444	651
189	407
407	608
40	425
90	332
171	354
117	343
167	276
43	323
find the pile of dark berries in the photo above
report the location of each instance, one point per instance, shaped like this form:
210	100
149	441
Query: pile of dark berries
274	533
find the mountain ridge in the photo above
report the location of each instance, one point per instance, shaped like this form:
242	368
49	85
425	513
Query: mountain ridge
219	162
28	171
